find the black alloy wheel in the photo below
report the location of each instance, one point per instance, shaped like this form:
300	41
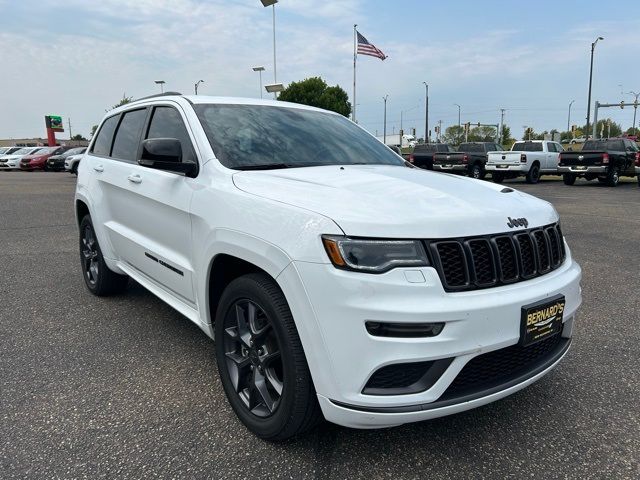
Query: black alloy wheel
253	358
261	361
89	252
98	278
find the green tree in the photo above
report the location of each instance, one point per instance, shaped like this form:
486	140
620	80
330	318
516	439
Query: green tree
315	92
122	102
506	135
611	128
453	135
93	130
482	134
78	137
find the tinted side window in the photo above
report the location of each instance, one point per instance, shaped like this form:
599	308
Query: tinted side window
125	146
551	147
166	122
102	145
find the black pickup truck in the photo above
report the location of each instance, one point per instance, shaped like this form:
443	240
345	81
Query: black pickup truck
605	160
423	153
470	159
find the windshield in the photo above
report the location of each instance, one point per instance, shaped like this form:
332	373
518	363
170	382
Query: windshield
527	147
471	147
4	150
616	145
263	136
25	151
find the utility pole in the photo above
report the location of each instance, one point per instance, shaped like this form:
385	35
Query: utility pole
384	135
69	121
501	132
426	114
439	129
458	113
593	47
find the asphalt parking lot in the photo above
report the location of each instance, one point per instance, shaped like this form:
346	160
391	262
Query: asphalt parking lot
125	387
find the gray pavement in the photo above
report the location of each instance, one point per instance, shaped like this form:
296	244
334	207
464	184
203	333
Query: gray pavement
125	387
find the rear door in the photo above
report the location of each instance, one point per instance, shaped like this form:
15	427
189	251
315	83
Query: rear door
153	216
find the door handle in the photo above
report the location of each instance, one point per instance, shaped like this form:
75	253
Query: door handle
134	178
98	168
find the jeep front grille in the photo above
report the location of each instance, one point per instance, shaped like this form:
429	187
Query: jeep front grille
489	261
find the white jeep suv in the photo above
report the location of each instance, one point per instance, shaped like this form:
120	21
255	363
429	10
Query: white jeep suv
337	280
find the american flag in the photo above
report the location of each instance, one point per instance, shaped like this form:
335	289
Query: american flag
366	48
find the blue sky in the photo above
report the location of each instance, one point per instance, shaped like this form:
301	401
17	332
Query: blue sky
78	57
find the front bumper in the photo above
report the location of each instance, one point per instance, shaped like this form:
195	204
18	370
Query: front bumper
331	307
578	169
10	165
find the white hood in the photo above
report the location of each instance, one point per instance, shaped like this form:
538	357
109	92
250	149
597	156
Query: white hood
398	202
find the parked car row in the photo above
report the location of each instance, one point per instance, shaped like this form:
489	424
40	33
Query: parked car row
606	159
41	158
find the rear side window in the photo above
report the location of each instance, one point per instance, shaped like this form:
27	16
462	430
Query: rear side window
552	147
125	146
166	122
102	145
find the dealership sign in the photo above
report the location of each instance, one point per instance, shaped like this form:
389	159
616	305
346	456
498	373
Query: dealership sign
54	122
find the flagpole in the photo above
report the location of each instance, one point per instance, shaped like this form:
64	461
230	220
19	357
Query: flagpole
355	52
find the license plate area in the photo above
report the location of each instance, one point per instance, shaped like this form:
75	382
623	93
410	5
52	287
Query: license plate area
541	320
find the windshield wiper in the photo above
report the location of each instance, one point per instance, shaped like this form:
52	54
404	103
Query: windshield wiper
264	166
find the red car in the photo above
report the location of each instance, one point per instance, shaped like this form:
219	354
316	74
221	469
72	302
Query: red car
38	161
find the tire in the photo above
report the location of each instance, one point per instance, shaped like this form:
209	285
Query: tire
569	178
250	367
98	278
613	177
639	180
74	169
477	172
533	175
497	177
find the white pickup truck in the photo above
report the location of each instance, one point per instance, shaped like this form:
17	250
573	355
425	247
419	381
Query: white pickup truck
530	159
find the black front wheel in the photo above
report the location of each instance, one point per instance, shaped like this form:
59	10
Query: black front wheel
569	178
261	362
98	278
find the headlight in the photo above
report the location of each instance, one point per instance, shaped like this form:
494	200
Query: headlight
374	256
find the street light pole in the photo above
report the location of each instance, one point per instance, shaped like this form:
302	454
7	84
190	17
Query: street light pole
593	47
635	108
161	83
569	117
458	113
384	134
259	69
272	4
426	113
196	85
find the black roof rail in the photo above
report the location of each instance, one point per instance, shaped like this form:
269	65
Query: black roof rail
164	94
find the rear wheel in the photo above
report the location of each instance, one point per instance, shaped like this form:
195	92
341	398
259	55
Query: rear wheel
74	169
613	177
639	180
497	177
477	172
569	178
533	175
98	278
261	362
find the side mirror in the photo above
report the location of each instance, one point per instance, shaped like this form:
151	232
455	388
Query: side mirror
165	154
